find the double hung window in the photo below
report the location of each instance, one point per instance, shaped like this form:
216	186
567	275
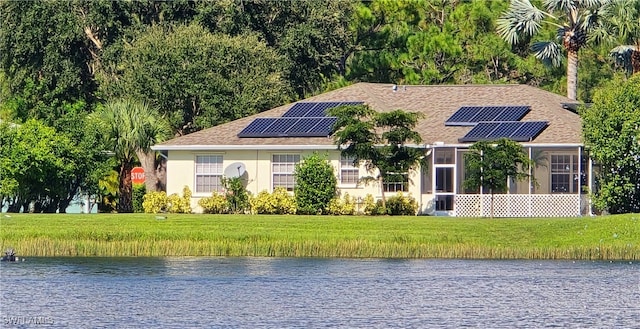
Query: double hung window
282	168
208	173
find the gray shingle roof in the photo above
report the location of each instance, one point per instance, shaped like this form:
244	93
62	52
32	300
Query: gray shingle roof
437	103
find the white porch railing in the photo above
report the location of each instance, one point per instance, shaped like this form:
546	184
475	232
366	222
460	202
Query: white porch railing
520	205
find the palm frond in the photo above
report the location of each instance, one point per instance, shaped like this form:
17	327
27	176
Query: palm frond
593	3
549	52
590	19
626	48
601	35
622	56
561	32
521	18
561	5
130	126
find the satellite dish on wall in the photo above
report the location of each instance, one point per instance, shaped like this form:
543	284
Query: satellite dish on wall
234	170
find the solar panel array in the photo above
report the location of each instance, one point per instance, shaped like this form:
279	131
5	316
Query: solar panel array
519	131
303	119
472	115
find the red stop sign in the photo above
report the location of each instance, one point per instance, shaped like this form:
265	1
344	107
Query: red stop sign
137	175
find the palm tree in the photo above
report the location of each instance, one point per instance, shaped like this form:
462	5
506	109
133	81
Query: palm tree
621	26
129	127
574	20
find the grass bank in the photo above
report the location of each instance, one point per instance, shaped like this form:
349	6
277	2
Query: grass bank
610	237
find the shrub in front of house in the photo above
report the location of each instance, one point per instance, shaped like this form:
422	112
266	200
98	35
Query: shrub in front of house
215	204
401	205
155	202
180	204
370	206
236	195
316	185
342	206
280	202
377	209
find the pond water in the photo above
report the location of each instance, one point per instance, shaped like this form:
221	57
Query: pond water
208	292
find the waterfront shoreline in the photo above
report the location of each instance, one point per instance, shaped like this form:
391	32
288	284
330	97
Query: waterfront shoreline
116	235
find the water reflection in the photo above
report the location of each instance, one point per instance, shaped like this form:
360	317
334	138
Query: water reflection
301	293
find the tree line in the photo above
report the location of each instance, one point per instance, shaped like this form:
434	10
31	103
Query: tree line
65	66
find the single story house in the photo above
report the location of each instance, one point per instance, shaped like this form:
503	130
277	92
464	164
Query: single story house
264	148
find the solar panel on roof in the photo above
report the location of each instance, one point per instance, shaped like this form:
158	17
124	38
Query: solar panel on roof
323	128
299	109
518	131
280	126
529	131
289	127
304	119
463	115
479	132
472	115
488	113
504	129
513	113
320	108
256	127
303	125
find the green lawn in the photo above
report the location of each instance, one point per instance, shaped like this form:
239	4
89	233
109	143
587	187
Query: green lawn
610	237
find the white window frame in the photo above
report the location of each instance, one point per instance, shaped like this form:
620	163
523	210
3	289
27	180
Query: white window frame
347	170
568	170
397	186
212	169
283	166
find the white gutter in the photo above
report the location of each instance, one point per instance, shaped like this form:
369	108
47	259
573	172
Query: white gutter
467	145
278	147
240	147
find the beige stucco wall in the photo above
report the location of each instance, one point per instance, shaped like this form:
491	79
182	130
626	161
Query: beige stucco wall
181	173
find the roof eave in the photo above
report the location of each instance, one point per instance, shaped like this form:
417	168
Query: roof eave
239	147
327	147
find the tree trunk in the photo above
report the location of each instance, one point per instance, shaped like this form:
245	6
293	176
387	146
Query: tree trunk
63	204
14	205
148	162
125	204
572	75
51	206
384	199
635	60
161	174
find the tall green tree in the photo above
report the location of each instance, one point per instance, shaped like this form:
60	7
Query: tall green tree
621	28
316	184
378	30
310	35
198	79
384	142
128	127
42	168
435	42
490	164
44	55
574	21
611	131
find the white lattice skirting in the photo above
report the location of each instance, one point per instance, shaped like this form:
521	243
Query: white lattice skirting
519	205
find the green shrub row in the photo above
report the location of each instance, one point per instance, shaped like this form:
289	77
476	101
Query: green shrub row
281	202
397	205
159	202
